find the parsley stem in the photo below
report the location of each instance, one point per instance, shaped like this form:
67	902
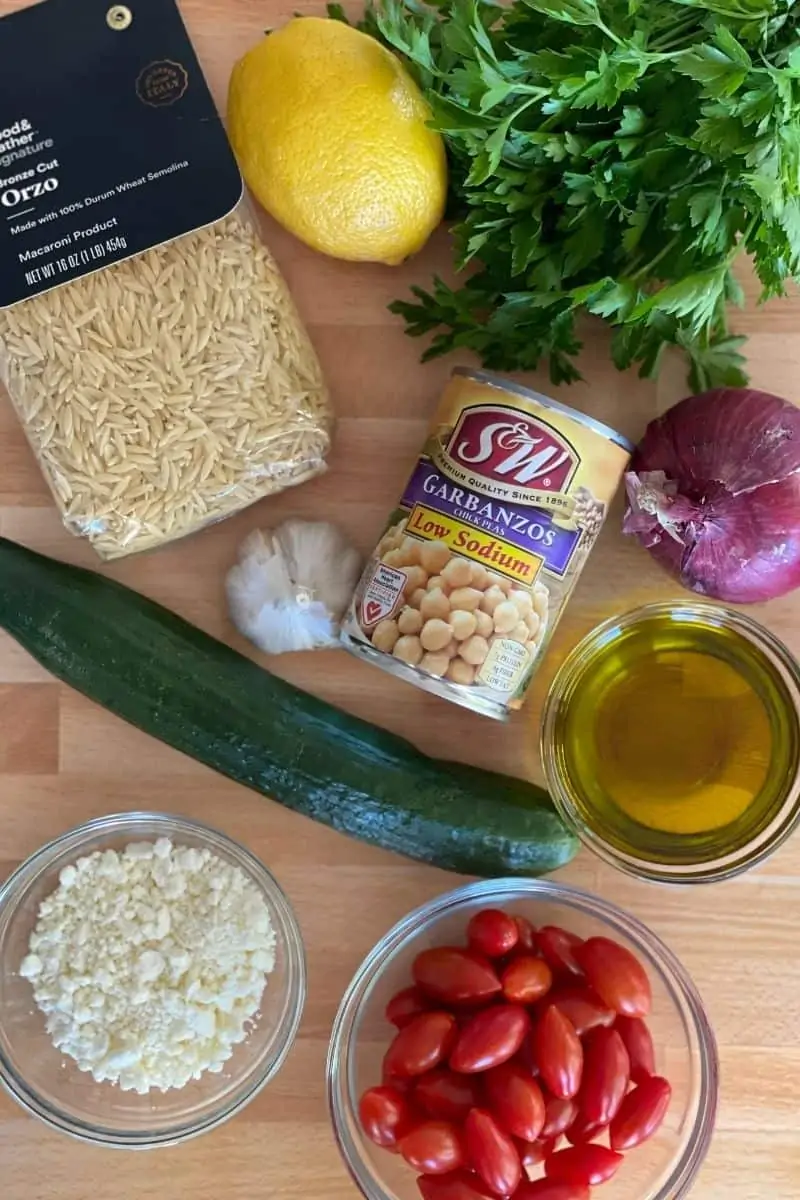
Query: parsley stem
663	252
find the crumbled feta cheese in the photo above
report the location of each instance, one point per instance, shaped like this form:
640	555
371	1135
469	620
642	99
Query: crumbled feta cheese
150	964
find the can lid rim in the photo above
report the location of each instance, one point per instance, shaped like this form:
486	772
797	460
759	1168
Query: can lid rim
502	384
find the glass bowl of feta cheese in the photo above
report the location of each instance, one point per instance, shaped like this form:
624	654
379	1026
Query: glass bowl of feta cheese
152	983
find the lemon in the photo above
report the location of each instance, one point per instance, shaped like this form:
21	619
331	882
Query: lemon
331	136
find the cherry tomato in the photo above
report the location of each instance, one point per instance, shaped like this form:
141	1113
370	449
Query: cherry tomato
526	979
406	1005
559	1053
526	935
434	1147
617	976
455	976
459	1185
551	1189
606	1075
640	1113
588	1164
516	1100
558	1116
581	1130
580	1006
533	1153
400	1083
443	1094
421	1044
558	948
489	1038
492	932
639	1044
386	1116
526	1057
492	1152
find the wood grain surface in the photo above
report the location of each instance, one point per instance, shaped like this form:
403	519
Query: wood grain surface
62	760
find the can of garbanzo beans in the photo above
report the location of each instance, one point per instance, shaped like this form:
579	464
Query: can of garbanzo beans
471	575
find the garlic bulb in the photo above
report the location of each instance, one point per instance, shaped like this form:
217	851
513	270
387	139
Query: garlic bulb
291	586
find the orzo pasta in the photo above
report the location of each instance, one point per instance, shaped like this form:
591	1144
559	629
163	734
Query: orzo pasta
169	390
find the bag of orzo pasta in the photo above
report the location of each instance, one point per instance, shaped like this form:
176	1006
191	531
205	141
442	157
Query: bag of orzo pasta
147	339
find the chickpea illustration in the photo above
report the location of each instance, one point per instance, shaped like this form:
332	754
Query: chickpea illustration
457	573
416	598
522	600
436	581
435	635
410	620
435	664
533	621
540	600
463	624
519	633
394	558
416	578
467	598
385	635
484	625
493	596
506	617
451	649
434	556
435	604
474	650
410	551
479	576
408	650
460	672
501	581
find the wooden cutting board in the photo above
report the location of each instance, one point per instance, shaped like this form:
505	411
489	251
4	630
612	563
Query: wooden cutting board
62	760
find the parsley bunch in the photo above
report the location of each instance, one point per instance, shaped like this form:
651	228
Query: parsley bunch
611	157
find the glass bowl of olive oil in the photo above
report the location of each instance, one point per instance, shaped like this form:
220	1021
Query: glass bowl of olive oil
671	742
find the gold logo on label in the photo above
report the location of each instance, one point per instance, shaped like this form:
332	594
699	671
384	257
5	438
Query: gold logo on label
162	83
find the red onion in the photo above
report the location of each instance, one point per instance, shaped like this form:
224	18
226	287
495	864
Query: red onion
714	494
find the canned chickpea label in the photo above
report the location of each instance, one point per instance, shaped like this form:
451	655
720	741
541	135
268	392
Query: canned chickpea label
478	560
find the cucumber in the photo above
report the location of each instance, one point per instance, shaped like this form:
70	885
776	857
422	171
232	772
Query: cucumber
155	670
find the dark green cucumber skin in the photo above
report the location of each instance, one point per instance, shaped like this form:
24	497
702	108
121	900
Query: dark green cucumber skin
168	678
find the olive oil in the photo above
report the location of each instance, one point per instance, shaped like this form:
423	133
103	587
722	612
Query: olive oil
675	739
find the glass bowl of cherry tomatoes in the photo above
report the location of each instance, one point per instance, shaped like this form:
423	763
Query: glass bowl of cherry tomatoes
521	1038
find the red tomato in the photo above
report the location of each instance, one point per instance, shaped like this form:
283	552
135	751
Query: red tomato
559	1053
559	948
581	1131
421	1044
583	1164
385	1115
492	932
641	1113
533	1153
606	1075
459	1185
526	935
580	1006
526	1057
551	1189
639	1044
455	976
434	1147
406	1005
443	1094
617	976
516	1101
558	1116
492	1152
526	979
489	1038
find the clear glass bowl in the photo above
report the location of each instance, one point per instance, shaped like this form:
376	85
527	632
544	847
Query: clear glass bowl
686	1052
722	852
47	1083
